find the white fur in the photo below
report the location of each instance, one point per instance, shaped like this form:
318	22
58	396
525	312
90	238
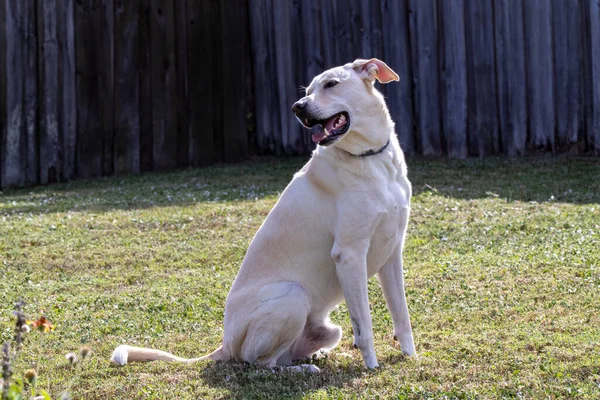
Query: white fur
341	220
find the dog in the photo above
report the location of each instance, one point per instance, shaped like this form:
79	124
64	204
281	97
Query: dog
341	220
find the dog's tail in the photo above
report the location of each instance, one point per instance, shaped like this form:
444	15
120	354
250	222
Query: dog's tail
124	354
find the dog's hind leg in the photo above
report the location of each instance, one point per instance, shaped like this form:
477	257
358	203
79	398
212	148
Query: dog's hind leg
264	325
318	334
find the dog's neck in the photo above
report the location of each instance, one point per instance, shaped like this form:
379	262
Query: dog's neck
391	158
372	152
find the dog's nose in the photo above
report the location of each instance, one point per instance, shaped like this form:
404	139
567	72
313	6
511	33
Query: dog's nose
299	106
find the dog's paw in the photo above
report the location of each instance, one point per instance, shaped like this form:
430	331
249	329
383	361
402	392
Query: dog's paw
370	361
310	368
407	344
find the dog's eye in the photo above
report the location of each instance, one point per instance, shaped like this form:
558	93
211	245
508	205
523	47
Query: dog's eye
331	84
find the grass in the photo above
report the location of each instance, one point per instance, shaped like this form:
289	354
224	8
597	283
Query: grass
502	272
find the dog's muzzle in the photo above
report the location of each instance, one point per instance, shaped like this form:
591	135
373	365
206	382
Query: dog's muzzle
323	131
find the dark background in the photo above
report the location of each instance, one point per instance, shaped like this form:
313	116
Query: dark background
99	87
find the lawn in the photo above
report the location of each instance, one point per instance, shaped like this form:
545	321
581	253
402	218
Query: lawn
502	269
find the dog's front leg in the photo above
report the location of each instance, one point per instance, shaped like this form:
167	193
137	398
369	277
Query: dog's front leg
351	269
391	278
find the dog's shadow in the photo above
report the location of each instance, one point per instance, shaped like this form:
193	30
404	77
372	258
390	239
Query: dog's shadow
249	381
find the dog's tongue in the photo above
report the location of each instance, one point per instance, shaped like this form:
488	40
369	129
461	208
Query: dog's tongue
318	131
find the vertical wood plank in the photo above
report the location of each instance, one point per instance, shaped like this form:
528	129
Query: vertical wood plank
164	86
182	82
453	77
200	95
561	79
510	71
2	87
396	52
145	78
31	92
344	50
424	38
358	27
219	113
538	39
264	85
593	131
574	128
303	23
50	93
105	30
288	127
414	79
13	133
276	135
90	91
326	26
127	87
483	128
67	78
235	50
371	21
311	39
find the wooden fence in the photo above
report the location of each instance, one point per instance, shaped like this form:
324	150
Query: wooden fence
99	87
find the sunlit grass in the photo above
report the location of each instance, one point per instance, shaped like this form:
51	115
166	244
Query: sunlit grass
502	271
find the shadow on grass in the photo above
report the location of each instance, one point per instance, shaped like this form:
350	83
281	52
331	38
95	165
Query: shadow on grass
252	180
560	179
251	382
541	179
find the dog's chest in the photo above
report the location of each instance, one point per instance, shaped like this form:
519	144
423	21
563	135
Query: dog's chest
390	229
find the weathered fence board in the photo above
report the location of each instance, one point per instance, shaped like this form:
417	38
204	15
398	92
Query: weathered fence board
31	92
3	99
146	93
425	64
483	110
50	95
593	118
235	63
311	38
90	88
164	122
201	106
13	136
566	38
263	82
510	71
538	39
183	143
67	79
396	52
453	65
284	70
106	83
90	57
127	88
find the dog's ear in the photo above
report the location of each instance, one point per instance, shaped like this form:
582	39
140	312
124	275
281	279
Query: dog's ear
375	69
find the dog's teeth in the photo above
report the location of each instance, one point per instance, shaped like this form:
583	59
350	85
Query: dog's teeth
342	118
326	131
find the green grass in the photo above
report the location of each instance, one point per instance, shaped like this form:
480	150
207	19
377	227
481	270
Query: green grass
502	272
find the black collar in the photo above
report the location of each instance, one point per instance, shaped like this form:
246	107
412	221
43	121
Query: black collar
371	152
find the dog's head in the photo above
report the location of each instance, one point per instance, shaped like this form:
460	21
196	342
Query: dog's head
343	107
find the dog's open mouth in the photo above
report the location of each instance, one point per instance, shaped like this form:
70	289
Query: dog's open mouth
327	131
